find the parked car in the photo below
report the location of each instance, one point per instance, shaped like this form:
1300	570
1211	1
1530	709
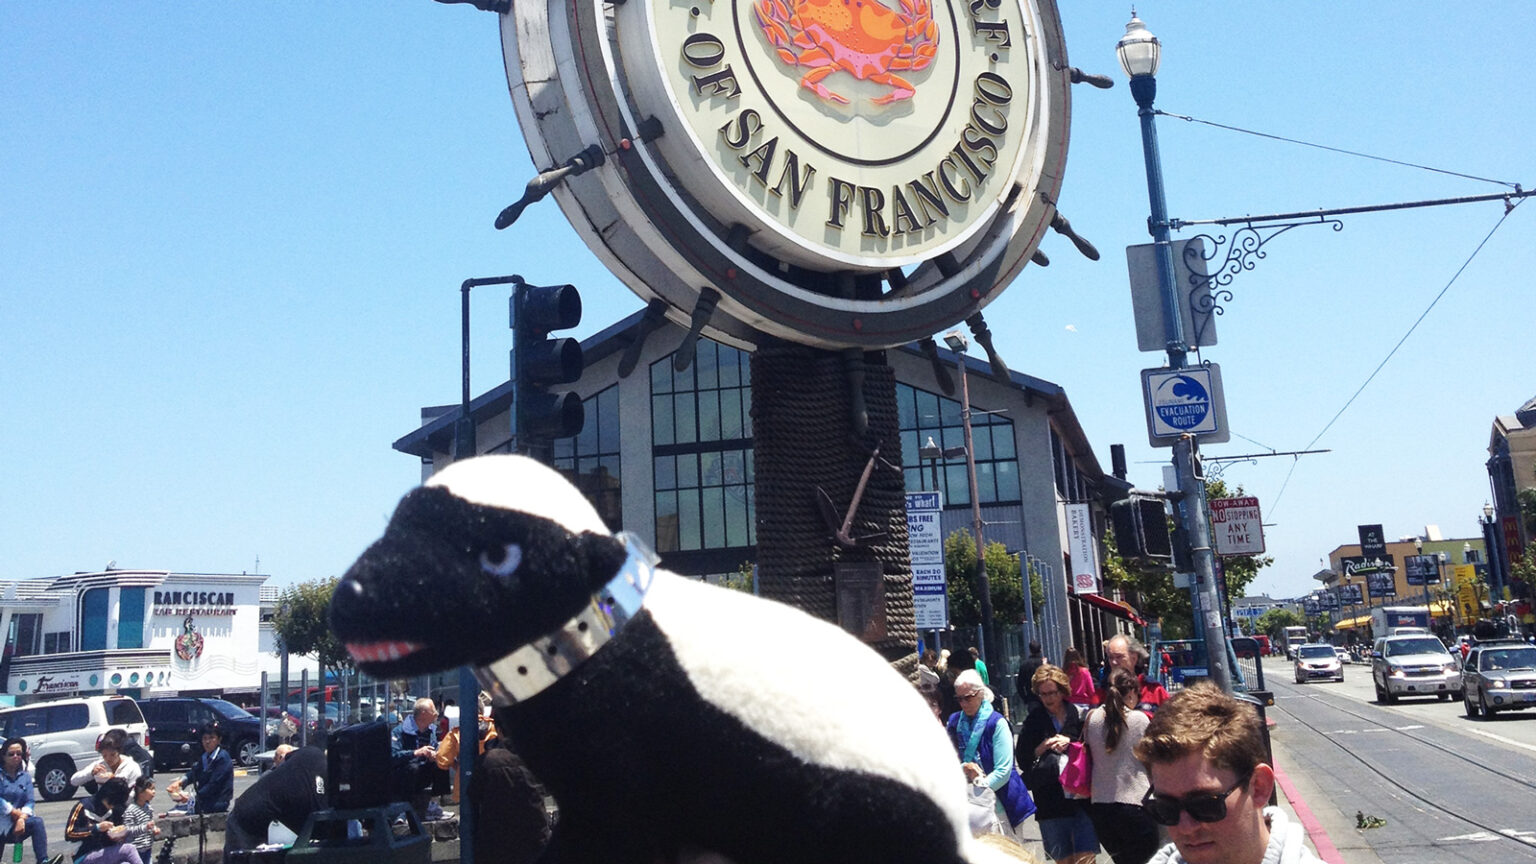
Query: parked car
1499	675
61	736
1414	665
176	724
1318	661
1341	653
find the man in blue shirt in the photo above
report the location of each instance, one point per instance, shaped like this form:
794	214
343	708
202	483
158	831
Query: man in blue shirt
213	775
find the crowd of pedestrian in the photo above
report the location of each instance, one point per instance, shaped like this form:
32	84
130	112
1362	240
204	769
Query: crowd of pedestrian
1112	762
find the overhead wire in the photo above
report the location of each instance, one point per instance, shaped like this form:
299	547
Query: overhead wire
1414	326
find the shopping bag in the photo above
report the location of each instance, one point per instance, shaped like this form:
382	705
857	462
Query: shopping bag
1077	774
982	809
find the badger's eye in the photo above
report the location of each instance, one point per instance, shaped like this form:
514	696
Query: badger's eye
501	561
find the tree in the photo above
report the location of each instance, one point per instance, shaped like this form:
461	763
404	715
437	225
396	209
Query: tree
302	625
1152	584
1276	620
1003	578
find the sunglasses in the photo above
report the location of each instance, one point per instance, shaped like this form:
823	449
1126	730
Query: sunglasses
964	696
1207	807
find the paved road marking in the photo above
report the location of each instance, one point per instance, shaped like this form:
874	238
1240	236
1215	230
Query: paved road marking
1501	739
1406	728
1479	837
1510	832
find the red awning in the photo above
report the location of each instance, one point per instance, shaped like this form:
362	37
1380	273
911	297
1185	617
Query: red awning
1114	607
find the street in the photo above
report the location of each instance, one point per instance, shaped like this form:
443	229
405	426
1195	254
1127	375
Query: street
1451	789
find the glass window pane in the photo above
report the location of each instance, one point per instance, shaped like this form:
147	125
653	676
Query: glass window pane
1003	443
981	437
751	517
688	520
731	362
949	412
94	620
666	522
682	382
733	467
906	407
1008	488
746	413
661	420
608	420
709	415
687	471
661	376
586	439
986	485
914	480
957	489
666	472
736	516
730	415
928	411
683	406
951	437
712	502
911	446
130	618
706	365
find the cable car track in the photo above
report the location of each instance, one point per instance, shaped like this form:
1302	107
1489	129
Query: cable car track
1439	747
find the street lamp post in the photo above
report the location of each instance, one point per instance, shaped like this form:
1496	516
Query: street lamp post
1140	55
957	343
1496	575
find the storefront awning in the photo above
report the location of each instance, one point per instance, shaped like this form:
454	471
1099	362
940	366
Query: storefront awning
1352	623
1114	607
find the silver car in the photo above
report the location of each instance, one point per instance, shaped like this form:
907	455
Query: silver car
1318	661
1499	676
1413	665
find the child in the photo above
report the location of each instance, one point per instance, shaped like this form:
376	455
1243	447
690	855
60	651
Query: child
139	817
96	824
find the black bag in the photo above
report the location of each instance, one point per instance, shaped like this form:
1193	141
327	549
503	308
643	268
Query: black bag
1046	772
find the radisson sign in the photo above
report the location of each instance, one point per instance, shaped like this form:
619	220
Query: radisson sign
834	172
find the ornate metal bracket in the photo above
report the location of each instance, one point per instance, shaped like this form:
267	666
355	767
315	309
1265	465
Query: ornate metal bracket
1240	253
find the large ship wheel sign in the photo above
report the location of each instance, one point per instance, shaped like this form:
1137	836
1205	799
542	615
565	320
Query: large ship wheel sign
839	173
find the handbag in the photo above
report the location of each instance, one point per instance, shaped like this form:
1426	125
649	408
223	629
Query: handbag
1077	774
1046	771
981	809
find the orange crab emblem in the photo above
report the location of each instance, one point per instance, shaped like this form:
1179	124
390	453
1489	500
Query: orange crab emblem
864	38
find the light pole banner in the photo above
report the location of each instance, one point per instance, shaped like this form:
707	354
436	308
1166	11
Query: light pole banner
925	542
1082	547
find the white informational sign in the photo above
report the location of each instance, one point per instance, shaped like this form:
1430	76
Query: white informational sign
1185	401
1083	549
925	542
1236	526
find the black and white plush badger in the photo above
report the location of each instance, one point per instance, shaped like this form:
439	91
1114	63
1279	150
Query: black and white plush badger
703	719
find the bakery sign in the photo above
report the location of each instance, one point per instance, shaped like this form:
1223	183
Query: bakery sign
181	604
835	173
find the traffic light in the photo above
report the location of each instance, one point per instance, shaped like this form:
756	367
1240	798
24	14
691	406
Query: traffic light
1141	528
538	361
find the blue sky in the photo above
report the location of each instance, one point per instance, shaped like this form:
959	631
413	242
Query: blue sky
231	239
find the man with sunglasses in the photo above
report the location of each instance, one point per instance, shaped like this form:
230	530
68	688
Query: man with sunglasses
1204	753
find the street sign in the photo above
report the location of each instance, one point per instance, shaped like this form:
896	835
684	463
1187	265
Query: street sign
1185	401
1082	548
1373	543
1236	526
1193	284
925	542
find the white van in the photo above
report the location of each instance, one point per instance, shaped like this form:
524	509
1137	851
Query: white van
61	736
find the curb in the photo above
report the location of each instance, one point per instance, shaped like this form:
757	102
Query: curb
1315	831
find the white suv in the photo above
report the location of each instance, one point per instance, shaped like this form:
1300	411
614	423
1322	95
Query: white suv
61	736
1410	665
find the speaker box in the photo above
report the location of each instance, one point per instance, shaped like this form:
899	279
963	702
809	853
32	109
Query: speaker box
358	762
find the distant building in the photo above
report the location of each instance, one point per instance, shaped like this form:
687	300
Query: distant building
138	632
1512	468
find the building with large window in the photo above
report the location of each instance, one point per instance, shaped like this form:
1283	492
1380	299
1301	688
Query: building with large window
138	632
669	455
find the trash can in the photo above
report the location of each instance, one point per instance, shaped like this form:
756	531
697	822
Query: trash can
390	834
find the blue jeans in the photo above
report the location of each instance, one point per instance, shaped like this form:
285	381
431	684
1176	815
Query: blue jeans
35	829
